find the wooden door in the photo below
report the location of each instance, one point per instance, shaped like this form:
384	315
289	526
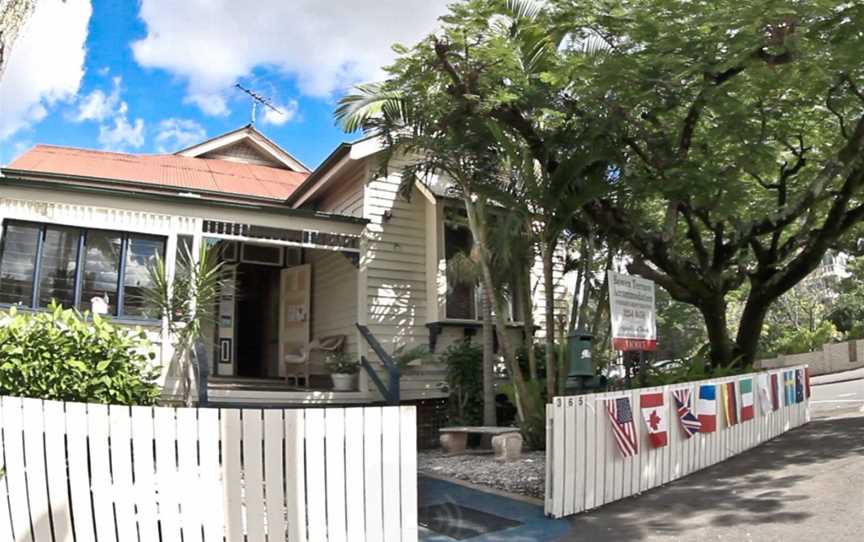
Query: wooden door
295	295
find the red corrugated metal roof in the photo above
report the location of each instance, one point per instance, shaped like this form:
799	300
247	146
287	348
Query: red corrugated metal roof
163	170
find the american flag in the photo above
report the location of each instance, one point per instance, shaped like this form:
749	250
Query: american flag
689	421
621	416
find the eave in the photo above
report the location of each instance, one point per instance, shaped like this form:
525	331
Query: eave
97	186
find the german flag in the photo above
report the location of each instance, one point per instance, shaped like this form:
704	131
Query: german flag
730	403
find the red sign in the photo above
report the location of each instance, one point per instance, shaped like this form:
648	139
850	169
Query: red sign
631	345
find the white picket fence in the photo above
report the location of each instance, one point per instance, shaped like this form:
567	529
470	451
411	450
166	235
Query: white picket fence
118	474
584	468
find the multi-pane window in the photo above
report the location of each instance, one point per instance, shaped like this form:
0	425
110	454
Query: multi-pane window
461	294
101	268
41	263
140	257
463	298
18	262
58	266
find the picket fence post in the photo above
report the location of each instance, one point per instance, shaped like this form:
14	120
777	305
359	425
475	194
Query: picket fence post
585	469
169	474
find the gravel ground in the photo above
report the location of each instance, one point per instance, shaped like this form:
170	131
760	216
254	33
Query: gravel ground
524	476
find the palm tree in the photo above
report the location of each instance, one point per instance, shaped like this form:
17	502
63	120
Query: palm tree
452	151
187	301
551	203
434	124
464	269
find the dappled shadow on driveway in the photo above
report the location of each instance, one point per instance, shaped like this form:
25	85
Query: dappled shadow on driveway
764	486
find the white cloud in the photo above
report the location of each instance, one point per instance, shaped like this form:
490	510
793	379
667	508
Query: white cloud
287	112
13	150
46	64
326	44
121	134
111	112
174	134
97	105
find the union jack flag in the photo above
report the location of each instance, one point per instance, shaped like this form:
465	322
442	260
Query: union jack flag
689	421
623	427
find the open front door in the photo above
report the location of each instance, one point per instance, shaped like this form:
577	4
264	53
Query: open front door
294	304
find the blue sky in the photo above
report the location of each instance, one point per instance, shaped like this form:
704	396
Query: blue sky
158	75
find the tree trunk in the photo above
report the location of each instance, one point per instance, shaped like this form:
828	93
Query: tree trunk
578	295
721	346
528	320
563	360
489	413
603	296
549	313
525	407
750	329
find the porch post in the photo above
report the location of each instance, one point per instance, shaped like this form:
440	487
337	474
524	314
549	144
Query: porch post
167	347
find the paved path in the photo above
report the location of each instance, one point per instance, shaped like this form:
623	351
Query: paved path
449	512
807	485
839	396
842	376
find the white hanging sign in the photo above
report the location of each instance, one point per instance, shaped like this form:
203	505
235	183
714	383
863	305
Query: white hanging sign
633	314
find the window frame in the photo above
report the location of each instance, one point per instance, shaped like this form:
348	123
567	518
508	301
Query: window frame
83	232
514	303
474	301
40	254
4	240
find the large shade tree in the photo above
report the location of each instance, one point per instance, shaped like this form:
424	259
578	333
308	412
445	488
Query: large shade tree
741	129
732	133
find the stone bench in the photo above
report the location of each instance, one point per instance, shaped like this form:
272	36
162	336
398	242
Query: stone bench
506	441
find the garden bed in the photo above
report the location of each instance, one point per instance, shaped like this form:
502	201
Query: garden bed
525	476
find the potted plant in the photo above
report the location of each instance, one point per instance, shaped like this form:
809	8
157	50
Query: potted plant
406	357
342	370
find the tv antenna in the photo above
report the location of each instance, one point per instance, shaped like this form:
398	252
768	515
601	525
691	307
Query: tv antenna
258	99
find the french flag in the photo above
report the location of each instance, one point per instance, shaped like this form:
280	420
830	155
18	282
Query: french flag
706	408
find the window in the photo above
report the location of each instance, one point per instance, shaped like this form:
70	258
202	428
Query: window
141	255
17	263
261	254
58	266
461	296
101	268
463	299
72	266
184	249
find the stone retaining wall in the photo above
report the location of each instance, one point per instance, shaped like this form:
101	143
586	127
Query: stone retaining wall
833	358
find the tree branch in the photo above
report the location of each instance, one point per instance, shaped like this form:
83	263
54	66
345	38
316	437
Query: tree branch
695	237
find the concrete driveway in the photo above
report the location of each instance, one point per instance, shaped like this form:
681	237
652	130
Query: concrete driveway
807	485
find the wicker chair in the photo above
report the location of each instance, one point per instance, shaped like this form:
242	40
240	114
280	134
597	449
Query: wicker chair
298	360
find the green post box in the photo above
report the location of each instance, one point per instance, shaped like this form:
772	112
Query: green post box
579	358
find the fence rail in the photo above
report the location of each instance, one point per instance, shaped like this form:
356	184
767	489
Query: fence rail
584	468
120	473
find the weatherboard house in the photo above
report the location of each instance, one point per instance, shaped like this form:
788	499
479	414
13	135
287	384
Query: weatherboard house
330	259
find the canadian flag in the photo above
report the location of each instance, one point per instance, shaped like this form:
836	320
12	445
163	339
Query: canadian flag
655	418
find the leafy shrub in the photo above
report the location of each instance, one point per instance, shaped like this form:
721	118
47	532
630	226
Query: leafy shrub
679	371
341	363
533	428
540	356
782	340
404	355
464	361
60	354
